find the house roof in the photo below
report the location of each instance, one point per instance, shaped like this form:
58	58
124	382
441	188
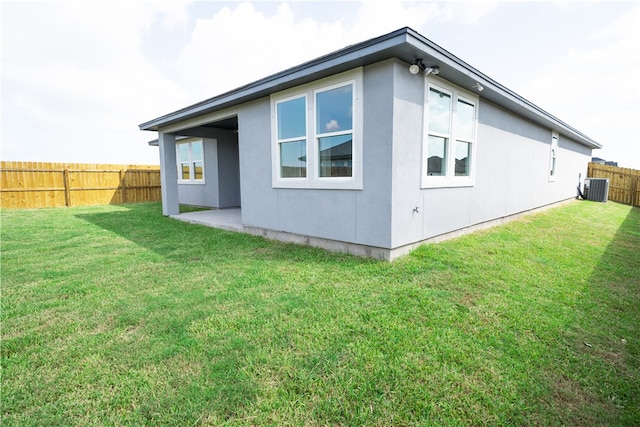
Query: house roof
404	44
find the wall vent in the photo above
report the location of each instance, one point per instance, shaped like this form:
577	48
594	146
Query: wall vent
596	189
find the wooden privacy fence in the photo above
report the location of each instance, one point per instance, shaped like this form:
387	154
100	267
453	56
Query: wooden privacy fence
624	183
38	185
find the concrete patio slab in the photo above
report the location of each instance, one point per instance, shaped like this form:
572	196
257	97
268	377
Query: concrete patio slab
226	219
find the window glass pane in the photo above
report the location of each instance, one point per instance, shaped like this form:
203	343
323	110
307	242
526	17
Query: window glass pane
183	152
436	158
198	170
185	170
336	155
292	122
439	111
196	151
464	119
463	155
293	159
334	110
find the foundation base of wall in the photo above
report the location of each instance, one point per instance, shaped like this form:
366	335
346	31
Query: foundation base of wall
231	221
403	250
327	244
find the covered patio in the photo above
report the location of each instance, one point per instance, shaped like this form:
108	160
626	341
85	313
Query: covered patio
225	219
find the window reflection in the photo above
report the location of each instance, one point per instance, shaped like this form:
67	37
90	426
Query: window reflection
464	120
439	111
463	152
436	162
292	118
191	161
334	110
336	156
293	157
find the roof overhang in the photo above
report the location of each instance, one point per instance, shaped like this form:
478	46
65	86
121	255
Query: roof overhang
156	142
404	44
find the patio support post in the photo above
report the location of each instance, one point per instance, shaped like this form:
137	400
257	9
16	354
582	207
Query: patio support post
168	174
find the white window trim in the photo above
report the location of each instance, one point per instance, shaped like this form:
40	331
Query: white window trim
313	180
449	179
191	179
553	160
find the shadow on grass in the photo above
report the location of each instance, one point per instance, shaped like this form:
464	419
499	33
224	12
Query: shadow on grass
144	225
606	334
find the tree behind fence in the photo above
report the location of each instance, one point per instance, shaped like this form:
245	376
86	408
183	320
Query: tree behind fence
39	184
624	183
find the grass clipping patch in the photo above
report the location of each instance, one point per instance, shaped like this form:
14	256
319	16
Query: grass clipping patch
118	315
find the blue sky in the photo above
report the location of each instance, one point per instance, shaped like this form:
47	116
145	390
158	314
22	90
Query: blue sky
78	77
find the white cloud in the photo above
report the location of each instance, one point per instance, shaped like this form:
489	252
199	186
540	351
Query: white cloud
332	126
377	17
594	88
75	84
469	12
76	81
240	45
173	13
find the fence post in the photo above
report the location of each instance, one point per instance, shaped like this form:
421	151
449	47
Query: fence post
67	194
124	187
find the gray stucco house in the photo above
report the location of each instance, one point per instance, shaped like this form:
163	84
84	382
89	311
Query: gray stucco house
372	149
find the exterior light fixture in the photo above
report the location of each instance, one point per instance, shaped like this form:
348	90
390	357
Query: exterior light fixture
435	70
478	87
417	66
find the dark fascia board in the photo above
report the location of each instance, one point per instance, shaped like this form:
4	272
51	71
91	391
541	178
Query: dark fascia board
463	74
404	44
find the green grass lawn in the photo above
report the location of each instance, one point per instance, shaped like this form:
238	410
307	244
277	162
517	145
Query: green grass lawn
116	315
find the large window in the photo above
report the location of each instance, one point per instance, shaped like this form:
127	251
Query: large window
317	134
553	156
190	161
449	141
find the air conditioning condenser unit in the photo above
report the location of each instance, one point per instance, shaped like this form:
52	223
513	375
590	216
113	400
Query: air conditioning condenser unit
596	189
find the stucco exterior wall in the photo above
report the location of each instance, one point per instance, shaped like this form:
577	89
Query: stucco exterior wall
259	203
392	210
228	170
221	187
407	223
203	194
511	175
355	216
